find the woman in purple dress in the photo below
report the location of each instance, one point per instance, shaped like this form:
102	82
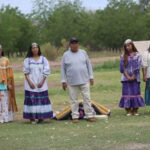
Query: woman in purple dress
130	64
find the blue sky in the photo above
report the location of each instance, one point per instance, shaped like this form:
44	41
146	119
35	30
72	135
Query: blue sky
26	5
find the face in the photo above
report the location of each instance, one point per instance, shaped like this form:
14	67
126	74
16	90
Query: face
74	46
129	47
35	51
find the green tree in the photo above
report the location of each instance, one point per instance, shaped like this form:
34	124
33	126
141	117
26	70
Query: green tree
120	20
17	31
144	4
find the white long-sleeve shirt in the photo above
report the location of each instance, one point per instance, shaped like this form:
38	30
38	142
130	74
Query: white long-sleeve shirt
76	68
146	62
37	70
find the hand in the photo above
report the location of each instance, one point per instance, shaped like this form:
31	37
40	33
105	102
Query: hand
64	85
91	81
129	78
145	79
9	87
40	84
31	85
133	78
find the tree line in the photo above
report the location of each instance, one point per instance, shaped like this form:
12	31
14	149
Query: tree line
54	21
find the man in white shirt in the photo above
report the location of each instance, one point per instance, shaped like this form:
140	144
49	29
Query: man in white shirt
76	72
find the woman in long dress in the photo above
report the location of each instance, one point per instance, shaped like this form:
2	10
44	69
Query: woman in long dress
7	91
130	64
37	104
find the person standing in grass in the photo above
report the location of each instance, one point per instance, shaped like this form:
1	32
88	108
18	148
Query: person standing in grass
7	91
76	72
130	64
146	74
37	103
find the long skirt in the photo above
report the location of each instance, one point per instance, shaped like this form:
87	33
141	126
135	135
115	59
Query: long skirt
131	95
147	92
5	114
37	105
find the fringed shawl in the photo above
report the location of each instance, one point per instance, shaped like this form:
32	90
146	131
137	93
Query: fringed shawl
6	76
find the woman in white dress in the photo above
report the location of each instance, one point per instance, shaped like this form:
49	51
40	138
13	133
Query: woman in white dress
37	103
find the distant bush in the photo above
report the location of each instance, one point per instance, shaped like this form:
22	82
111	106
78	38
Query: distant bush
108	65
64	46
84	48
49	51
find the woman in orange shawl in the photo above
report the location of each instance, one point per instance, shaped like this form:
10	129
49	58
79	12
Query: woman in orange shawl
7	92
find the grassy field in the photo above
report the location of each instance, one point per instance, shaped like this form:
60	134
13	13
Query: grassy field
117	133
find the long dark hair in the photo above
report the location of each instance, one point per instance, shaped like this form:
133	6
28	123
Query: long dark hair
126	53
30	54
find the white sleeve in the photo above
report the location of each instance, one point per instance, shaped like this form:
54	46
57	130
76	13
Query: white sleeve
26	66
144	60
46	70
63	70
89	66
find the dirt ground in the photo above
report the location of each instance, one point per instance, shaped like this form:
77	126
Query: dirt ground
55	65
